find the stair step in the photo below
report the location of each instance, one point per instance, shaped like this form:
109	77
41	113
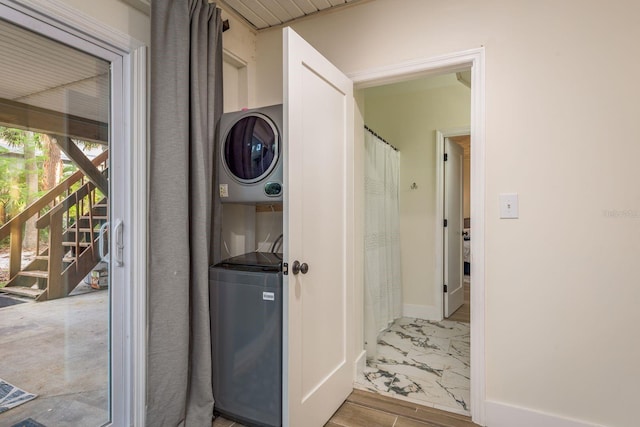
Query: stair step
34	273
43	257
68	259
23	291
95	217
81	244
82	230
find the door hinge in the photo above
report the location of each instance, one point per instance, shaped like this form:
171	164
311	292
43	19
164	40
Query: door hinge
446	157
445	288
445	222
285	269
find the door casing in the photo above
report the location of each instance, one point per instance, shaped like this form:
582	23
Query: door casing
473	59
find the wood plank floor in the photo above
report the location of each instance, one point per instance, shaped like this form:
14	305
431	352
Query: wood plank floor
367	409
463	314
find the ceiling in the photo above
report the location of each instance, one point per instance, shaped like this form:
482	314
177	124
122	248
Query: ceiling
38	72
465	142
262	14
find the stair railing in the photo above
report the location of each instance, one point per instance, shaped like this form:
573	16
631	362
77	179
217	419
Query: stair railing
14	227
63	219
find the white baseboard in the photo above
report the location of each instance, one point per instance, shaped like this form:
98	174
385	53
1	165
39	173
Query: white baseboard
426	312
503	415
361	362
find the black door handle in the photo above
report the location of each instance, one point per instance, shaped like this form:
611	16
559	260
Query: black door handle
299	268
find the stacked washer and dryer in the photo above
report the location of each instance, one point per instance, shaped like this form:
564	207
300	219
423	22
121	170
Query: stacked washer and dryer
246	290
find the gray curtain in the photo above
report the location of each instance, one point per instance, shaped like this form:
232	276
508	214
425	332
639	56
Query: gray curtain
186	102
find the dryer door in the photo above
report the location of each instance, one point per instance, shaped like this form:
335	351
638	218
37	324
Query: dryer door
251	148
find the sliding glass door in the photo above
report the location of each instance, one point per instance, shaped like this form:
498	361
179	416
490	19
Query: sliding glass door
60	281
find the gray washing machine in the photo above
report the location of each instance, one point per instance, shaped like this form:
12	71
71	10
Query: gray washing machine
250	158
246	338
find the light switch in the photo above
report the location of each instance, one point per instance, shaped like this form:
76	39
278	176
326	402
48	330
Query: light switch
509	205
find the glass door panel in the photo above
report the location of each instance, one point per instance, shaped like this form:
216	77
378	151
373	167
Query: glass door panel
55	287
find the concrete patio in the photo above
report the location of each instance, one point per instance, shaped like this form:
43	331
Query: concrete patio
58	350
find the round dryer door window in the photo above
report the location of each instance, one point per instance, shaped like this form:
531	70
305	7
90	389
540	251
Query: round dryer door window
251	148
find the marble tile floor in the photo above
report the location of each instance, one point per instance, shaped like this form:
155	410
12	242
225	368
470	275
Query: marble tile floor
422	362
419	361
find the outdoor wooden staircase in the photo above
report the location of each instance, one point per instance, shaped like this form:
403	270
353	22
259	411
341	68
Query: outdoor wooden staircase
73	226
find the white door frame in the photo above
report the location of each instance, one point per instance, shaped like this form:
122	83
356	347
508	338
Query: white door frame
63	23
455	62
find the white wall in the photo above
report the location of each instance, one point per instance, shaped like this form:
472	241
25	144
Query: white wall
561	111
243	228
117	15
246	230
239	73
408	115
268	229
238	229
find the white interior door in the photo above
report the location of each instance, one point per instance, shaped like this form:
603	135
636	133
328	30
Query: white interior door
318	226
453	246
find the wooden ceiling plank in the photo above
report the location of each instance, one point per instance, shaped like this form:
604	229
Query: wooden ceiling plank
292	8
261	14
27	117
278	9
248	14
306	6
266	13
320	4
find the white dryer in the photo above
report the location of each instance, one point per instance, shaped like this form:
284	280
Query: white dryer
250	157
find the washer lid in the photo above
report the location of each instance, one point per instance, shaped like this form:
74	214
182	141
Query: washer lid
267	261
250	148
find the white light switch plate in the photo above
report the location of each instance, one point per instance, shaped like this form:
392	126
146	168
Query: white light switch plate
509	205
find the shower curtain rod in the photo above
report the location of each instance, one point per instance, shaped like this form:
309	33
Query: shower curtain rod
379	137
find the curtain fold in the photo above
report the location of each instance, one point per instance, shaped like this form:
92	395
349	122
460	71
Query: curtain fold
186	103
382	268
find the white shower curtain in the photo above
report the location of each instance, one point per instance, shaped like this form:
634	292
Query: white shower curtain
382	274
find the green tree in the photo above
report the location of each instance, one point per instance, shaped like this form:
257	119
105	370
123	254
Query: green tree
11	187
30	237
28	141
52	166
20	186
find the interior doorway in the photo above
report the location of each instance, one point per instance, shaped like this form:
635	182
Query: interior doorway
472	60
420	357
457	228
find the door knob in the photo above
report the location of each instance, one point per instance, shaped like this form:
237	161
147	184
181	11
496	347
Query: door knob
299	268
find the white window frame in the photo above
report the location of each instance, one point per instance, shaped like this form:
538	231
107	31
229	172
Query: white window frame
128	179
